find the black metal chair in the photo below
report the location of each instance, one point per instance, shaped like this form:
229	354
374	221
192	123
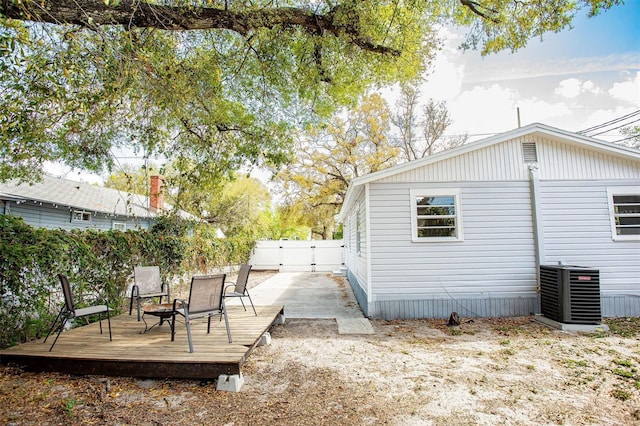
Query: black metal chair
205	301
69	311
147	284
240	289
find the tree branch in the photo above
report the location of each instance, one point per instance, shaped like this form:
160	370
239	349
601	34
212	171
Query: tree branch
139	14
475	7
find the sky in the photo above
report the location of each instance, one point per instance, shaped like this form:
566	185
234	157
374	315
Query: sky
572	80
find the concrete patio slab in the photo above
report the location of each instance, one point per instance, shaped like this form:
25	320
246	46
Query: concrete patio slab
354	326
308	295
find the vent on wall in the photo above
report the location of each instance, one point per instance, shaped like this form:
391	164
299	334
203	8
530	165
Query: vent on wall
529	152
570	294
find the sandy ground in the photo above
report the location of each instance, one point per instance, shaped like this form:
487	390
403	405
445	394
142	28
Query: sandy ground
415	372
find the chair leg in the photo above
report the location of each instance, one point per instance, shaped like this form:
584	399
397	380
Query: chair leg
138	305
131	301
63	320
254	308
242	301
109	322
189	336
55	321
226	320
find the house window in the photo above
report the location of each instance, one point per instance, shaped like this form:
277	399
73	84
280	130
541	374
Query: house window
118	226
80	216
436	215
624	212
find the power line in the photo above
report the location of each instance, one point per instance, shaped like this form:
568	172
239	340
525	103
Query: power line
610	122
618	127
628	138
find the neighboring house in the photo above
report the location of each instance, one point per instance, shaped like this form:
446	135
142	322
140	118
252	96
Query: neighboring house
465	230
60	203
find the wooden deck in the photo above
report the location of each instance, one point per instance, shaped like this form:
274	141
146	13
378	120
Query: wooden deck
83	350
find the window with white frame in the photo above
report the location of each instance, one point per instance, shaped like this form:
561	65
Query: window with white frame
80	216
118	226
436	215
624	212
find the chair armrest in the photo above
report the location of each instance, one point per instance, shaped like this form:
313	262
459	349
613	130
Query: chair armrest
164	285
135	290
227	287
185	307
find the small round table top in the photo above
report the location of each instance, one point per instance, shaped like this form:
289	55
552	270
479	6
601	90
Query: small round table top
160	309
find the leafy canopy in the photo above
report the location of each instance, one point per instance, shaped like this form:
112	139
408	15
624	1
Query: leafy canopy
217	85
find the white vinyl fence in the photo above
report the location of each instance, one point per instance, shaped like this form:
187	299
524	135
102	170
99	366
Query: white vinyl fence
299	256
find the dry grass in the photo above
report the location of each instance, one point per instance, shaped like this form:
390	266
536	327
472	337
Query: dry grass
415	372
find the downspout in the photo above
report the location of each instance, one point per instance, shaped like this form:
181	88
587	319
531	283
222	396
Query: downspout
536	217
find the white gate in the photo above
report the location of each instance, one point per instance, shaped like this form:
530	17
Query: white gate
299	256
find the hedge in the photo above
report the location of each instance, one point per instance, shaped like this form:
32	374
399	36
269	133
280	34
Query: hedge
98	263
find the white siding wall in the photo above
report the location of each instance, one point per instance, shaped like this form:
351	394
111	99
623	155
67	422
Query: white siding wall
577	231
504	162
496	257
561	161
501	162
357	262
493	271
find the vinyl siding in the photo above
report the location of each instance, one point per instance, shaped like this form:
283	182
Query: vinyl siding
357	262
577	231
492	272
561	161
497	226
557	160
500	162
44	216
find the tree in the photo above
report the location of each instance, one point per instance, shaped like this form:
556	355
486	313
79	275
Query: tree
433	122
632	136
405	119
215	86
328	160
132	179
239	206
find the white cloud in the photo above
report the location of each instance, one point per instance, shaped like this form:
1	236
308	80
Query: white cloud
571	88
628	91
484	110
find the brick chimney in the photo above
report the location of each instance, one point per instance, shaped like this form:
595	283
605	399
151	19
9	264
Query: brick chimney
156	199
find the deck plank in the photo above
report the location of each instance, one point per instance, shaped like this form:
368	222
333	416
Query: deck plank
83	350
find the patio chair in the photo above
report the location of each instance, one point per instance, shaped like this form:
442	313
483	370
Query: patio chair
240	289
205	301
69	311
147	285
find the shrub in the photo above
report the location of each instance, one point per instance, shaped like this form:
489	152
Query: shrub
98	263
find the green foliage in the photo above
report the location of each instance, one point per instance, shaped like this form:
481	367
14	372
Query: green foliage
217	87
98	264
328	159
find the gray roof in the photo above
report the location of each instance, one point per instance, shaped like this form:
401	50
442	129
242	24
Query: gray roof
78	195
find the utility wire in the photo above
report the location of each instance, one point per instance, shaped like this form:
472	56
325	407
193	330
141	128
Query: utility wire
618	127
627	138
611	122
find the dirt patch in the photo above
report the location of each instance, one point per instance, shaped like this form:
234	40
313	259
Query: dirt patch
416	372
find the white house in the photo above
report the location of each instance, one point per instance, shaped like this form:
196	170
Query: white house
465	230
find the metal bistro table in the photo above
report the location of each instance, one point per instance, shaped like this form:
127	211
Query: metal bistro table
163	311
